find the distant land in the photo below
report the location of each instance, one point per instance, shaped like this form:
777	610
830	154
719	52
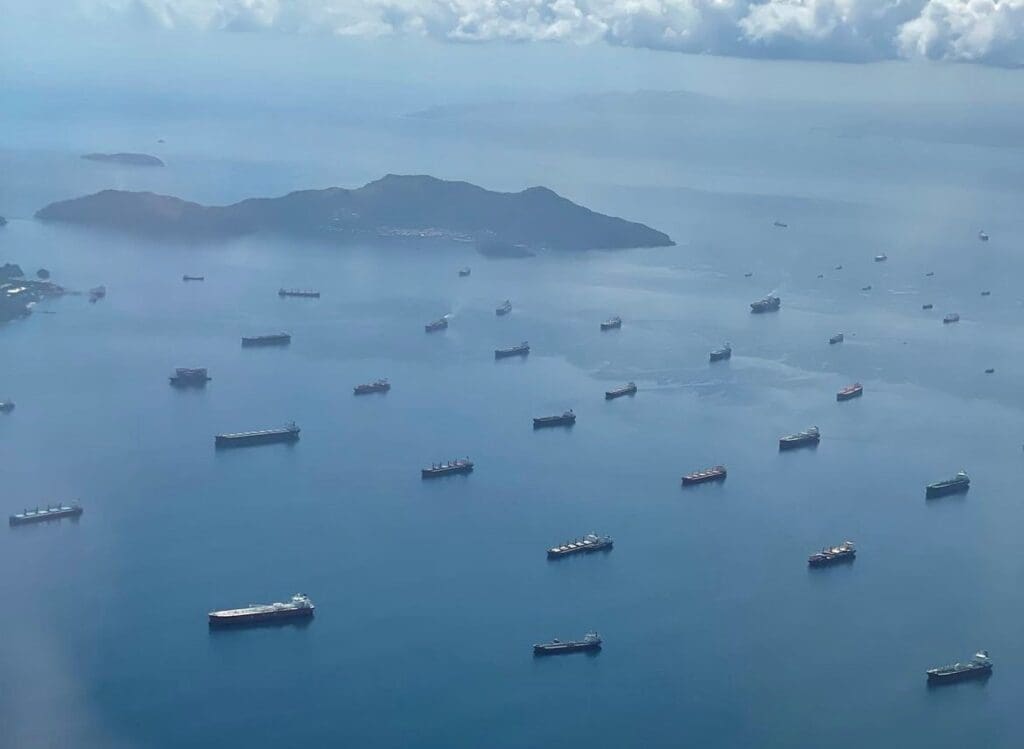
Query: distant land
395	206
132	159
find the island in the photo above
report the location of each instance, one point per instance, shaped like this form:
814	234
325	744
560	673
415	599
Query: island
131	159
399	207
18	295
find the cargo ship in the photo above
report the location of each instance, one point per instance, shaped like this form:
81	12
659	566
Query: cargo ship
590	642
801	439
956	485
979	667
287	433
298	292
50	512
590	542
6	406
723	353
927	306
612	323
866	288
193	278
273	339
986	293
951	317
845	552
299	607
439	324
186	377
377	386
522	349
715	473
768	304
504	308
850	391
990	370
837	338
459	465
628	389
881	258
463	272
780	224
97	293
564	419
982	236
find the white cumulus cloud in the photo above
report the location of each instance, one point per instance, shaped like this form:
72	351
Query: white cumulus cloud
988	31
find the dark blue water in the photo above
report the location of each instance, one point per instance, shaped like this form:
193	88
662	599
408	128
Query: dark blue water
430	594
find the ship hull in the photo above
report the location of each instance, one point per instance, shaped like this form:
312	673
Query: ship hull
180	382
565	648
587	549
370	390
793	444
255	342
611	326
247	440
938	679
72	512
249	620
554	421
693	480
505	354
613	394
433	473
720	355
931	492
828	562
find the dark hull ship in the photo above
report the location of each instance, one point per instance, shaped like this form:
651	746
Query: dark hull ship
979	667
460	465
274	339
850	391
523	349
628	389
186	377
591	642
768	304
715	473
299	607
377	386
43	514
956	485
806	438
845	552
289	433
586	545
564	419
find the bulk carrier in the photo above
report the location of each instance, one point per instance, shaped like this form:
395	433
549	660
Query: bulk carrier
287	433
273	339
41	514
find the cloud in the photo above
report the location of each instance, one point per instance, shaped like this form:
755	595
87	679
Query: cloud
987	31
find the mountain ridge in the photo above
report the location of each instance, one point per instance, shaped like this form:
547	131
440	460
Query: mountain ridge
397	206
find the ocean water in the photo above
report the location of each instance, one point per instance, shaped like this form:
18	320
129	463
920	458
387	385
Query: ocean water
430	594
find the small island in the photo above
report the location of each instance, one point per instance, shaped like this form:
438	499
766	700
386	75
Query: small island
19	294
396	207
131	159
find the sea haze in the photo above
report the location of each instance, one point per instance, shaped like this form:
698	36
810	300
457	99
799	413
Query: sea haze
430	594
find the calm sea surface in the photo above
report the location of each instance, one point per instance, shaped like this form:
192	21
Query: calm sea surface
430	594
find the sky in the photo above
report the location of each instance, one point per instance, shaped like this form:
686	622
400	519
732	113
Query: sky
989	32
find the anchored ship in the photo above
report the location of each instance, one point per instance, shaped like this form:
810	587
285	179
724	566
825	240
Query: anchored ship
850	391
97	293
986	293
6	406
377	386
522	349
715	473
807	437
837	338
287	433
273	339
723	353
504	308
979	667
439	324
881	258
459	465
298	292
951	317
592	641
780	224
982	236
845	552
990	370
768	304
299	607
463	272
866	288
193	278
590	542
956	485
927	306
612	323
566	418
185	377
628	389
50	512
